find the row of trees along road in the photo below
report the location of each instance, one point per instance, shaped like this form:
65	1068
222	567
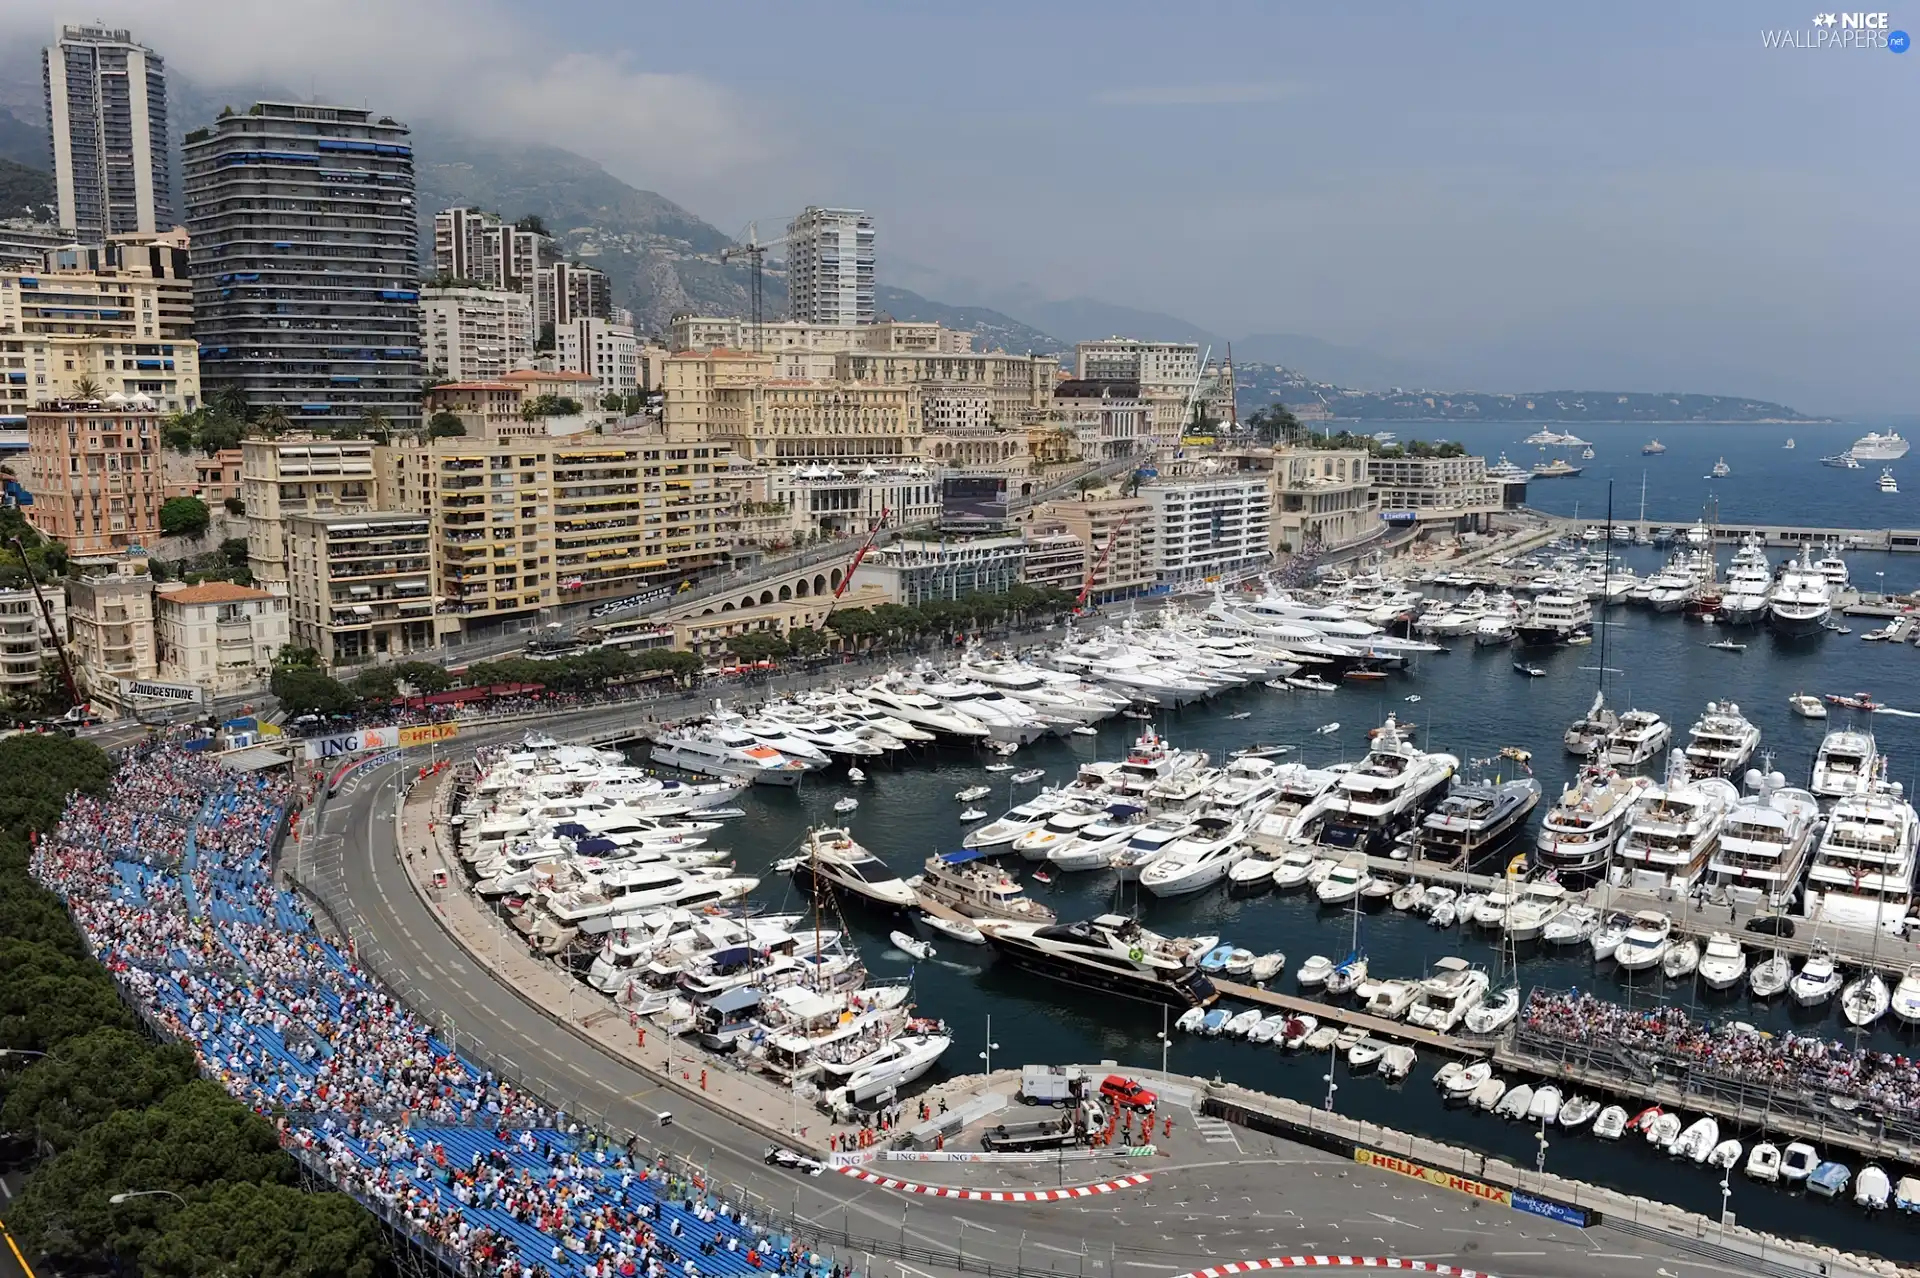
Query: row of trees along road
110	1110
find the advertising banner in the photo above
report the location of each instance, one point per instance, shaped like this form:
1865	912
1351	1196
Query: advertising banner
1578	1217
148	689
428	734
352	743
1433	1176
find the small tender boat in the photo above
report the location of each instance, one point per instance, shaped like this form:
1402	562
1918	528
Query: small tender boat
856	775
1906	996
1241	714
1817	980
1365	1054
1269	1028
1267	966
1215	1021
847	804
1085	731
972	814
1681	960
1496	1013
1447	1073
1488	1094
1770	975
1906	1194
958	929
1829	1179
1314	972
1610	1124
1529	670
1028	777
1191	1020
1763	1162
1578	1111
1406	896
1697	1141
1607	937
1215	959
1327	729
1242	1025
1725	1155
1663	1130
1310	683
1240	962
1645	1118
1728	645
1397	1062
1806	706
1865	999
1470	1079
1299	1029
1517	1101
1797	1161
1323	1038
1546	1104
973	792
998	767
911	944
1872	1190
1443	915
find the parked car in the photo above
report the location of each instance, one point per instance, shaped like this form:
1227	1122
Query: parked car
1127	1093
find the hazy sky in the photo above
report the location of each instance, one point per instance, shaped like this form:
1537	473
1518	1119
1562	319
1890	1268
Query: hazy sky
1630	194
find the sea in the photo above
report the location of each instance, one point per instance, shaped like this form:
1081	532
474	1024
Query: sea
1471	703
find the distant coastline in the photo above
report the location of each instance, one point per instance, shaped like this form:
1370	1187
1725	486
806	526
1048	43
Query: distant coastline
1581	421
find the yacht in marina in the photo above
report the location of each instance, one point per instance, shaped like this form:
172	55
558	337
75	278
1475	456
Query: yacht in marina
927	713
1299	792
1454	988
1148	843
722	750
1472	823
966	883
1833	567
1579	832
1672	831
1199	858
831	859
1063	827
808	725
893	1065
1669	589
1112	953
1022	819
1743	601
1862	870
1094	846
1555	618
1802	599
1873	446
1383	794
1639	737
1720	741
1506	472
870	721
1006	718
1845	765
1765	842
1589	732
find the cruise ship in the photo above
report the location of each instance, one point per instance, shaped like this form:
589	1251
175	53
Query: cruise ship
1383	795
1845	765
1579	832
1863	869
1873	446
1555	618
727	751
1112	953
1802	598
1720	741
1672	832
1765	843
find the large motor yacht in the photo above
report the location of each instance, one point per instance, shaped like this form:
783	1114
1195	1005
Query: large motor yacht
1006	718
721	750
1639	738
1802	598
1300	794
1454	988
1199	858
1765	842
1579	833
1672	832
1111	953
966	883
1845	765
1473	822
1863	869
1720	742
831	859
1555	618
1383	795
926	713
1749	578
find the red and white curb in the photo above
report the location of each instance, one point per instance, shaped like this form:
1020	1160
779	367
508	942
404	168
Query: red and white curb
1336	1262
998	1195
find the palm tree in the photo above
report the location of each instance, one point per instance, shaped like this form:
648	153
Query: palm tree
274	421
86	388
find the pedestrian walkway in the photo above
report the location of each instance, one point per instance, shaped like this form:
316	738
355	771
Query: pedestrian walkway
1216	1132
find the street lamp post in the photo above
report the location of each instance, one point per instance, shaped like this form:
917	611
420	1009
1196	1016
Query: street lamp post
1166	1043
987	1055
1540	1159
1726	1198
1332	1087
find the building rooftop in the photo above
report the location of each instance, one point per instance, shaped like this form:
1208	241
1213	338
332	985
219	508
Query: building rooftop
526	375
213	592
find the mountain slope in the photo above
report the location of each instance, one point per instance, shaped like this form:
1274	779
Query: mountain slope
991	329
20	186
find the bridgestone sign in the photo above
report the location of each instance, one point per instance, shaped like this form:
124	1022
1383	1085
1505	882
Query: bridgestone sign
184	693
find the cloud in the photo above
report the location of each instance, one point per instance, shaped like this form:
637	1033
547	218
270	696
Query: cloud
1246	93
480	66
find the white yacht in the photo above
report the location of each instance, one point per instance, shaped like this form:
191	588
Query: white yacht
871	721
1833	567
1672	832
1454	988
1845	765
1199	858
1645	942
1096	845
1300	792
1873	446
1110	953
1060	829
1588	733
1006	718
1863	868
1579	833
1765	842
1539	904
1639	738
1720	742
1723	964
925	712
831	859
718	750
1669	589
900	1061
1802	599
1022	819
968	884
1743	601
816	729
1555	618
1148	843
1383	795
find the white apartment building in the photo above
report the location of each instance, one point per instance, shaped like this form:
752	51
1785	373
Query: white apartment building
832	501
703	332
1155	365
914	572
1209	524
219	636
476	334
298	474
830	266
563	293
25	642
1436	491
106	100
470	244
607	351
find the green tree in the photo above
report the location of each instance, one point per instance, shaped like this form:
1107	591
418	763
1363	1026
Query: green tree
89	1077
757	645
424	675
220	431
302	691
1274	424
375	683
235	506
293	658
234	551
267	1230
805	641
50	996
443	425
532	222
184	517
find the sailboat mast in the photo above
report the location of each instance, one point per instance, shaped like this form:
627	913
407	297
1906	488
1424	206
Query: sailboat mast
1606	579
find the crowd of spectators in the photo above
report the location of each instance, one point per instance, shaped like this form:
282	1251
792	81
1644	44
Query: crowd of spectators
169	881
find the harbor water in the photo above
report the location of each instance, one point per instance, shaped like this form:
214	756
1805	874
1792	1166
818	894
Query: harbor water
1469	702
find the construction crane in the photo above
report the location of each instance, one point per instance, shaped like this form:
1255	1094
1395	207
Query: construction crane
753	250
873	536
1100	561
74	699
